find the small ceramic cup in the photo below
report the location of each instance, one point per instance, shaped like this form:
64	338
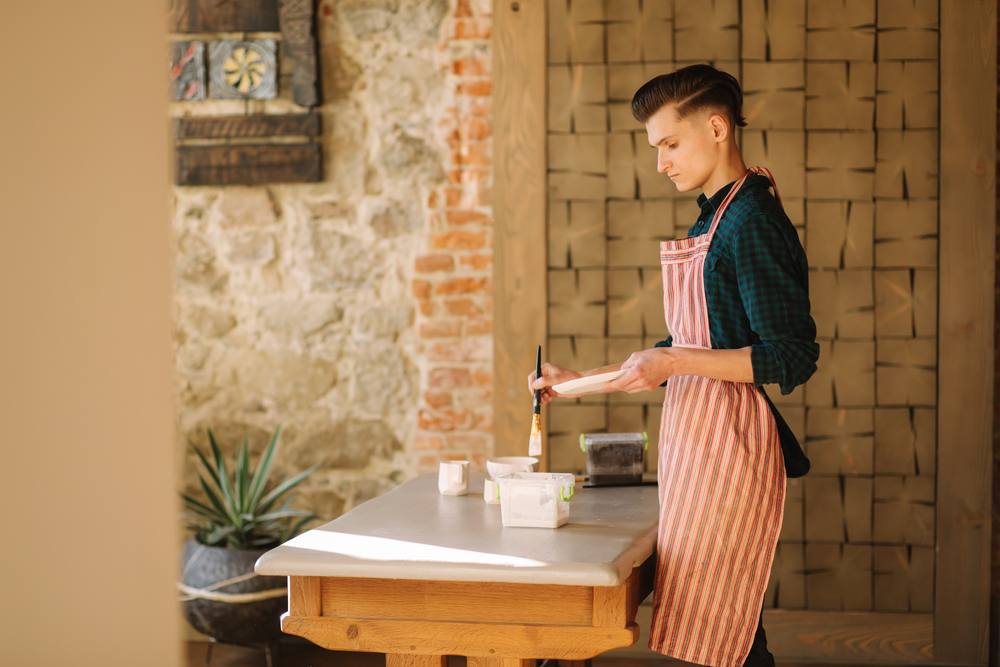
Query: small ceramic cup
491	492
453	478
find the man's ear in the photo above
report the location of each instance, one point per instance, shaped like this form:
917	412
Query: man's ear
720	127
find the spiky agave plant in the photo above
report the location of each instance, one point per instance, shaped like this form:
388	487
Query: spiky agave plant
240	512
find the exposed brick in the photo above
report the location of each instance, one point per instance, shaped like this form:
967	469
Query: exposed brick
436	398
472	29
484	196
478	154
468	349
459	240
421	289
449	377
473	398
466	441
455	310
466	217
476	129
471	65
475	88
424	441
479	326
484	422
441	329
477	262
430	263
477	461
462	307
463	286
428	463
444	420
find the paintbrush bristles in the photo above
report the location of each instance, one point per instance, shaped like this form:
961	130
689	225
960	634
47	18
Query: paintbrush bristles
535	442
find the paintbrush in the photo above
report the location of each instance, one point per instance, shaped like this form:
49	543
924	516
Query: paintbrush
535	442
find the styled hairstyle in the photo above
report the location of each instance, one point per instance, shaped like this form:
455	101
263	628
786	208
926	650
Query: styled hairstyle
691	89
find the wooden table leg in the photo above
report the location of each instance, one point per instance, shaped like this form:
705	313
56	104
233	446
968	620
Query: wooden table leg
500	662
410	660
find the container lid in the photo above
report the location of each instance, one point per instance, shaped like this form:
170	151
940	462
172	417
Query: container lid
614	439
536	477
562	480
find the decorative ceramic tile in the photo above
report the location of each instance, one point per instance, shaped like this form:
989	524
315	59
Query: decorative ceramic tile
243	69
187	71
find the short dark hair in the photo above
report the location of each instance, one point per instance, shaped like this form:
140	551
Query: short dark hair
691	89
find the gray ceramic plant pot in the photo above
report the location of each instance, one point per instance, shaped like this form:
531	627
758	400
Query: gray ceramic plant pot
230	620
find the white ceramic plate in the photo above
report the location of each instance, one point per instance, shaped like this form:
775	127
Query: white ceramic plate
589	383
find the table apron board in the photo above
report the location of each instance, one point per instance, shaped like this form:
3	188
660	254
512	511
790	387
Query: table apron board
482	620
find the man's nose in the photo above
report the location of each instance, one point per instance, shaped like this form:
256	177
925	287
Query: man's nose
662	163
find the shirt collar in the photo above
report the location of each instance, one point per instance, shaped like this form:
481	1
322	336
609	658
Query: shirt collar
711	205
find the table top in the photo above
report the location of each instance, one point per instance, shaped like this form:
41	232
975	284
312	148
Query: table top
414	532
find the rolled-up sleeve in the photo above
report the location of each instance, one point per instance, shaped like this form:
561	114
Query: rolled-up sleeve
773	280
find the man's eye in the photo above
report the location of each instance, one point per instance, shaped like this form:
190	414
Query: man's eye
671	145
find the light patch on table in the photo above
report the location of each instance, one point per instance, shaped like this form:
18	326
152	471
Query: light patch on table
383	549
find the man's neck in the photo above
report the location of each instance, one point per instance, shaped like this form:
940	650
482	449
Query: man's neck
731	168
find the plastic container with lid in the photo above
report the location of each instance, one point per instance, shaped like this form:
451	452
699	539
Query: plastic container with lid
535	499
614	458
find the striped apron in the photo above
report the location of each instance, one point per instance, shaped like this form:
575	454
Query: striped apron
721	484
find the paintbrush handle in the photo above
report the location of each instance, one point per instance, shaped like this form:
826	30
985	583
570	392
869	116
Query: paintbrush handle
538	374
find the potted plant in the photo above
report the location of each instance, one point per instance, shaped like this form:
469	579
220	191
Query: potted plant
241	516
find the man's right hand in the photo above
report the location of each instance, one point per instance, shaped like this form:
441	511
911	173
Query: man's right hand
551	375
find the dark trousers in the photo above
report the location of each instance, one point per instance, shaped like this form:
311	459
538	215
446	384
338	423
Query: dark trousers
759	656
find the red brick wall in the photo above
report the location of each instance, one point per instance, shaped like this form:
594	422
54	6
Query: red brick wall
453	275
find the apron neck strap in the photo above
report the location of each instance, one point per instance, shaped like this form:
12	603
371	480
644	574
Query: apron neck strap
736	188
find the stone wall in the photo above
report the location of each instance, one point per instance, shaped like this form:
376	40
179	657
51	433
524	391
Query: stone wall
356	312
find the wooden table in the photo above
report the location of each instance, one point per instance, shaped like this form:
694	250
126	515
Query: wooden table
420	576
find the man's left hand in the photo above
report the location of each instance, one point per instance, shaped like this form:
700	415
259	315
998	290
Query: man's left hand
648	369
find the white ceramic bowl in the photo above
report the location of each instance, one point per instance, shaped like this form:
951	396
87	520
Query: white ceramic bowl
505	464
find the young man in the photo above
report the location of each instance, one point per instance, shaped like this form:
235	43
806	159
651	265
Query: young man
736	301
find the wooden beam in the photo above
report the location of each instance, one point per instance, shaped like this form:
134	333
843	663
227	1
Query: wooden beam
966	321
457	601
304	596
845	637
215	16
252	126
519	209
405	660
255	164
492	640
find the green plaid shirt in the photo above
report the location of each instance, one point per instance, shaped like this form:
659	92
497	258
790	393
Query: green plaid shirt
757	288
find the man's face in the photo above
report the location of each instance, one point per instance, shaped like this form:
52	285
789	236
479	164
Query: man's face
686	149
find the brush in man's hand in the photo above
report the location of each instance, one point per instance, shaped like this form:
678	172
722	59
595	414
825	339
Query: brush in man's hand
535	442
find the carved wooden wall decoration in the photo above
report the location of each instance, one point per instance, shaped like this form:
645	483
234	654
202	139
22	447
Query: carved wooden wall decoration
845	107
243	70
227	150
187	71
298	38
222	16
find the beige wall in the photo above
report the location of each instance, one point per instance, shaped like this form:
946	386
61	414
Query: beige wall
88	548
